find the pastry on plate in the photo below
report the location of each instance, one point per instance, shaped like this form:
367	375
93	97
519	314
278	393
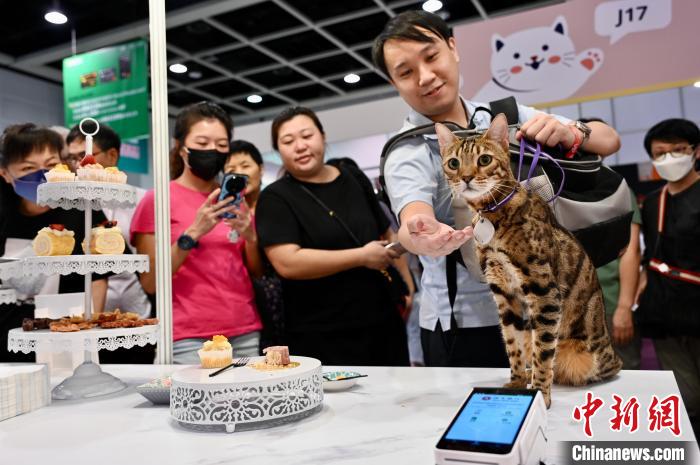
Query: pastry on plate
60	173
106	239
54	240
216	353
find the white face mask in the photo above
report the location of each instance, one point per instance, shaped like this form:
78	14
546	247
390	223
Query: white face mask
673	167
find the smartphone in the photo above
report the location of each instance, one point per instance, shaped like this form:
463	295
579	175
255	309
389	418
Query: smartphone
233	186
396	247
489	421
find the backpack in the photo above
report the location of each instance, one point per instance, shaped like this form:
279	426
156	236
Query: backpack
594	202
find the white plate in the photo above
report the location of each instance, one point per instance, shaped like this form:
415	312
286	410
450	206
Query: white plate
157	391
332	380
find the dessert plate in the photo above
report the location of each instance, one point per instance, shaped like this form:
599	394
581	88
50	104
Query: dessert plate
340	380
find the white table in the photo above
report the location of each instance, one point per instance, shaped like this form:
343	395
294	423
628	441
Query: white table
394	416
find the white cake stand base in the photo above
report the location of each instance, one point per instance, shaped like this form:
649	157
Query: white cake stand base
88	380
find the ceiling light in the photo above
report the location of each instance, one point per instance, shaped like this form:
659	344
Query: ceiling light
178	68
697	84
56	17
254	99
431	6
195	74
351	78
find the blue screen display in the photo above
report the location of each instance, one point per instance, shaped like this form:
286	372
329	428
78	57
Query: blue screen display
492	418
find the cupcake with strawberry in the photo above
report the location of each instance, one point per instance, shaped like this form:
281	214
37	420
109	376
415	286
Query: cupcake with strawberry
90	170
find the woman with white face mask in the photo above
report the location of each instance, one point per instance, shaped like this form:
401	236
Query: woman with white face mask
669	288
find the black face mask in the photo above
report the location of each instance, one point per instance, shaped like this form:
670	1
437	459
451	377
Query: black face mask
206	164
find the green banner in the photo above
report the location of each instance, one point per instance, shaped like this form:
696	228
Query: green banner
111	85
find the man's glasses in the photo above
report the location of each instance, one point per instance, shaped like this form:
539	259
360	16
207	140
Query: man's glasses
74	158
676	152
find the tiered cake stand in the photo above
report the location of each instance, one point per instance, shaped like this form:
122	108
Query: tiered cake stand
245	398
7	296
88	380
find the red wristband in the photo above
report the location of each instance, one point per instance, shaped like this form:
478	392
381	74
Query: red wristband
577	143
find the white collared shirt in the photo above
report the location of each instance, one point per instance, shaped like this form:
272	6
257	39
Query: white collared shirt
413	173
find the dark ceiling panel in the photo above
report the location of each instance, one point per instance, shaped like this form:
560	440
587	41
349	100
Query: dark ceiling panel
268	101
359	30
452	10
232	110
298	45
227	88
366	53
332	65
367	80
189	77
182	98
197	36
259	19
242	59
277	77
313	91
317	10
24	30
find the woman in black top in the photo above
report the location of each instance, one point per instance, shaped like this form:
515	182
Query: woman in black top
337	302
26	149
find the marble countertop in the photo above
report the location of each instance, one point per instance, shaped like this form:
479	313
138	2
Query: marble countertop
394	416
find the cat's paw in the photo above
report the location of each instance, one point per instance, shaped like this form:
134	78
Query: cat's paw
519	383
591	59
546	394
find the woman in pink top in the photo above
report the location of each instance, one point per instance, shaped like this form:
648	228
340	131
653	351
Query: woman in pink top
212	290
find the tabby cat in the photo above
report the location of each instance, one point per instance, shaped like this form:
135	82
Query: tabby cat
549	299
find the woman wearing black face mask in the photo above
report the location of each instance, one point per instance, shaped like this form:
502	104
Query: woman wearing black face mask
212	290
25	151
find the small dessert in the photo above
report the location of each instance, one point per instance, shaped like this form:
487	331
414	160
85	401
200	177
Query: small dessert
60	173
276	355
216	353
112	174
276	358
90	170
54	240
106	239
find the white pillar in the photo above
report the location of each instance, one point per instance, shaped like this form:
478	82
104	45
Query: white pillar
161	181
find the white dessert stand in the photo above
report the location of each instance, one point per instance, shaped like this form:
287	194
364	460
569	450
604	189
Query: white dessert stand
246	398
7	296
88	380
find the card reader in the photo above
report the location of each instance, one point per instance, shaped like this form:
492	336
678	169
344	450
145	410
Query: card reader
496	426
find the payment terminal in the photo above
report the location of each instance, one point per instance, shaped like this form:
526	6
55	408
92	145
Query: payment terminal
496	426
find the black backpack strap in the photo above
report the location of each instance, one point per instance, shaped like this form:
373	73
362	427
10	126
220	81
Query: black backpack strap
508	106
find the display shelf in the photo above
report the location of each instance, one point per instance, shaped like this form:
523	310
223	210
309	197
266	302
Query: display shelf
78	194
8	296
80	264
90	340
246	398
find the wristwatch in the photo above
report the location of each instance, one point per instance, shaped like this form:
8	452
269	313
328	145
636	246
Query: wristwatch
186	242
585	130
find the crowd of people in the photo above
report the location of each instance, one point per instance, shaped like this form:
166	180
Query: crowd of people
304	262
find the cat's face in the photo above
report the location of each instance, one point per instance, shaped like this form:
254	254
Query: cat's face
519	61
477	170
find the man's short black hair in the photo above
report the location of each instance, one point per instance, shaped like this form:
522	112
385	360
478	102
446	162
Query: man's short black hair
243	146
105	138
672	130
409	25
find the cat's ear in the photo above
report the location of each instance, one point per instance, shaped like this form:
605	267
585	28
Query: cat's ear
498	131
560	26
497	42
445	136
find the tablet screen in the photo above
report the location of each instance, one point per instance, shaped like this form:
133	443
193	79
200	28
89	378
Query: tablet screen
489	421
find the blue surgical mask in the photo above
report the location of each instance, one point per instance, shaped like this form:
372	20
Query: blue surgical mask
27	185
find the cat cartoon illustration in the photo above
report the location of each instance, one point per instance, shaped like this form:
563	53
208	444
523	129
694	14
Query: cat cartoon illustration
538	65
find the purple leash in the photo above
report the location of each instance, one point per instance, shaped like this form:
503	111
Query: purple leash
537	153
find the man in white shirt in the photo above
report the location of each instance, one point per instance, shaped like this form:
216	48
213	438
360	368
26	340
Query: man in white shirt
418	54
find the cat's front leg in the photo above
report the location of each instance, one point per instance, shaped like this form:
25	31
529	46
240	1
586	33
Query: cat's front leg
544	302
512	326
